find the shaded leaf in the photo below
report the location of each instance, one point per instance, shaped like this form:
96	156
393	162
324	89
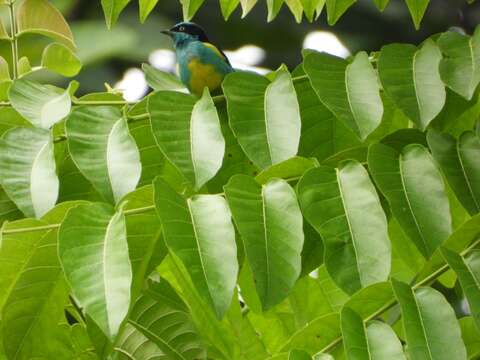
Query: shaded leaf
28	173
425	316
415	191
161	80
103	150
269	220
470	336
335	202
291	169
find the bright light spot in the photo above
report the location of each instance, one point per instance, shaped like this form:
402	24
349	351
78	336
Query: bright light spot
324	41
133	85
163	59
246	57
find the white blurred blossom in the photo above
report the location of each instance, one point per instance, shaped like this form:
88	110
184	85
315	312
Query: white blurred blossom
325	41
133	85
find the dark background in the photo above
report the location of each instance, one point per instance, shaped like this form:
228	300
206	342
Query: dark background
107	54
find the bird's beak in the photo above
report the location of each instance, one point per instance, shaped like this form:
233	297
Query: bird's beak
167	32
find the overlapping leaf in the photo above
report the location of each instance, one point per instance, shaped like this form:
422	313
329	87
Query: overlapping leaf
103	150
335	202
269	220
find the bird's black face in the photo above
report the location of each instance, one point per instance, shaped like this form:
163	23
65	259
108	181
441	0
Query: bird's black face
188	29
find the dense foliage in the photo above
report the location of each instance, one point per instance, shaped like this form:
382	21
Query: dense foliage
328	212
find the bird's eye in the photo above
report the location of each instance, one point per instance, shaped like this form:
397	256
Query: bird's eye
181	28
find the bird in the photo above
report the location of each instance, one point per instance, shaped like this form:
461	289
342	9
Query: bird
201	64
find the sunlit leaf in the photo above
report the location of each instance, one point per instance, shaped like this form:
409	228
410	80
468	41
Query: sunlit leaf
188	133
42	105
145	7
335	202
228	7
161	80
60	59
112	10
103	149
470	336
28	173
190	7
273	7
269	220
199	231
93	251
417	9
336	8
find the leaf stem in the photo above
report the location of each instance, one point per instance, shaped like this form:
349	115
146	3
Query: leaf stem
13	39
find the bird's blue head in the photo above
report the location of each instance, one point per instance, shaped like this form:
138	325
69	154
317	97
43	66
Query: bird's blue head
185	32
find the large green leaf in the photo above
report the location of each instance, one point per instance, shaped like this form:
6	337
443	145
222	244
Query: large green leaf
200	233
470	336
336	8
264	116
415	191
161	80
42	105
371	299
60	59
41	17
290	170
93	251
103	150
37	293
28	173
373	341
431	329
160	327
459	162
335	202
412	80
417	9
349	90
188	133
460	67
269	220
112	10
468	273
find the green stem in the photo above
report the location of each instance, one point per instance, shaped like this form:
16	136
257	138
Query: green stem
13	39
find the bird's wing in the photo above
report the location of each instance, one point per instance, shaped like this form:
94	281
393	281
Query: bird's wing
217	51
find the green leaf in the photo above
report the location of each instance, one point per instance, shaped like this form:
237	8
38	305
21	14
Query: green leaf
412	80
28	173
112	10
228	7
336	8
4	69
381	4
103	150
8	209
471	336
417	9
371	299
273	7
93	251
247	6
468	273
264	116
41	17
310	7
60	59
415	191
42	105
334	202
188	133
460	66
291	169
459	163
200	233
296	9
145	7
350	91
38	292
426	315
316	335
161	326
373	341
269	220
298	355
190	7
161	80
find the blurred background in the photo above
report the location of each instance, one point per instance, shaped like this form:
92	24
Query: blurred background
115	56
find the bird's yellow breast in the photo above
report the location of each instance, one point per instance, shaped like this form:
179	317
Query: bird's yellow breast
203	75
